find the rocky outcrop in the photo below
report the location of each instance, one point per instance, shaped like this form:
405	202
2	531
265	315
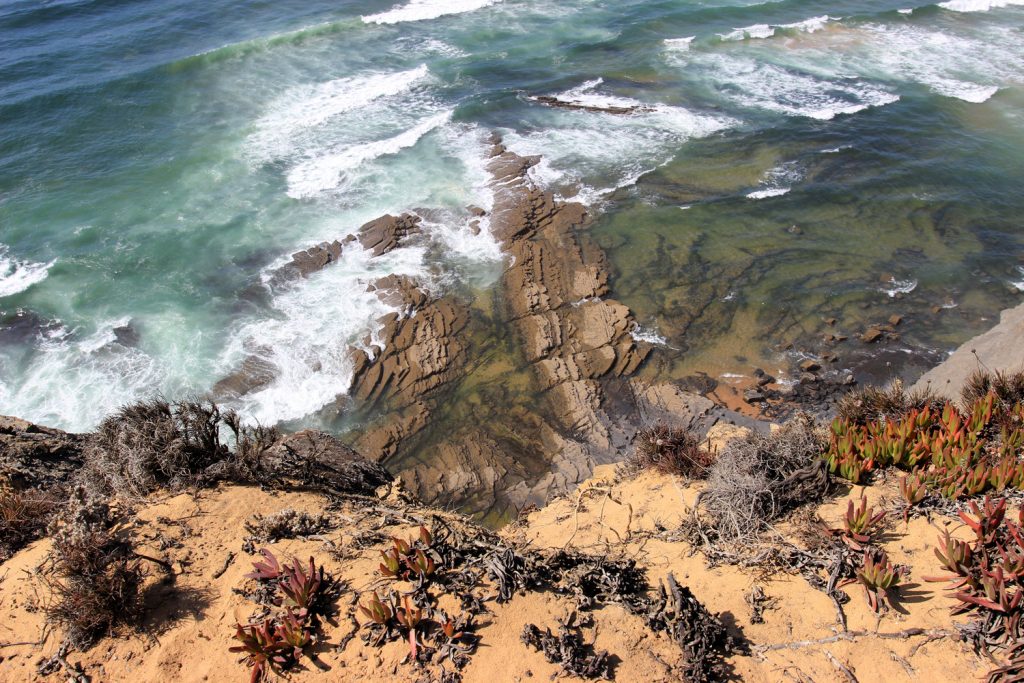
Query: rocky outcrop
553	101
317	460
385	233
494	402
1001	349
420	352
555	291
33	456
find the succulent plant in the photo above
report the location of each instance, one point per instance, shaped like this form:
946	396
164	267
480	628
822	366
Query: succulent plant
879	577
300	587
859	523
262	648
267	569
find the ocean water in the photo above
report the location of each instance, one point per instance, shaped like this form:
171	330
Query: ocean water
159	159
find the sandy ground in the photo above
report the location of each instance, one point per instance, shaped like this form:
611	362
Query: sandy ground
190	625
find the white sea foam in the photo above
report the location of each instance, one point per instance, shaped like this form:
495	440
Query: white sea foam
810	25
761	31
73	379
755	31
17	276
895	287
908	10
769	192
581	144
313	324
419	10
650	336
978	5
1019	284
682	44
949	64
326	172
307	106
767	86
778	181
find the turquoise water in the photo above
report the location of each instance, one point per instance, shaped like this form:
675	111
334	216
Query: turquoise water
157	160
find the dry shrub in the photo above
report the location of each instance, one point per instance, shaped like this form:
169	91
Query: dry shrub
153	444
869	404
96	577
251	444
759	477
24	515
671	451
287	523
1007	386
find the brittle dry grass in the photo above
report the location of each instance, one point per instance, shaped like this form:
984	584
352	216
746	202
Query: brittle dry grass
156	444
24	515
875	403
670	450
96	577
761	476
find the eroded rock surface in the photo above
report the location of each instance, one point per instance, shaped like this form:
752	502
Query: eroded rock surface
385	233
493	402
33	456
315	459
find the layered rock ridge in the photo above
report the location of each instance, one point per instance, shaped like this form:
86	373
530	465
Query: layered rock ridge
495	400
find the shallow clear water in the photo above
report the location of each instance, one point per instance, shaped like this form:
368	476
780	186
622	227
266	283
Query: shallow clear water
157	160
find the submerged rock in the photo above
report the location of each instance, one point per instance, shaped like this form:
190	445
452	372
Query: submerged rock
553	101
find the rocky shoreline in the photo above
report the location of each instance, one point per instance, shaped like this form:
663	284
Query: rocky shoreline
564	377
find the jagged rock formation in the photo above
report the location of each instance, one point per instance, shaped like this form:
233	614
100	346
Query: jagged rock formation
315	459
493	406
553	101
33	456
554	292
385	233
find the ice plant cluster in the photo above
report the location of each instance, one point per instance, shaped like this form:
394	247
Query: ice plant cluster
427	628
952	452
276	641
986	573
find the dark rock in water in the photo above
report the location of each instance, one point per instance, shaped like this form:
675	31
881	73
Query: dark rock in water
765	380
127	335
22	326
758	372
315	459
476	211
754	396
578	106
316	258
810	365
871	336
37	457
698	384
254	374
385	233
308	261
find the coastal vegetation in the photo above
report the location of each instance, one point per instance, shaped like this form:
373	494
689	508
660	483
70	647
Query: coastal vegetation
434	581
